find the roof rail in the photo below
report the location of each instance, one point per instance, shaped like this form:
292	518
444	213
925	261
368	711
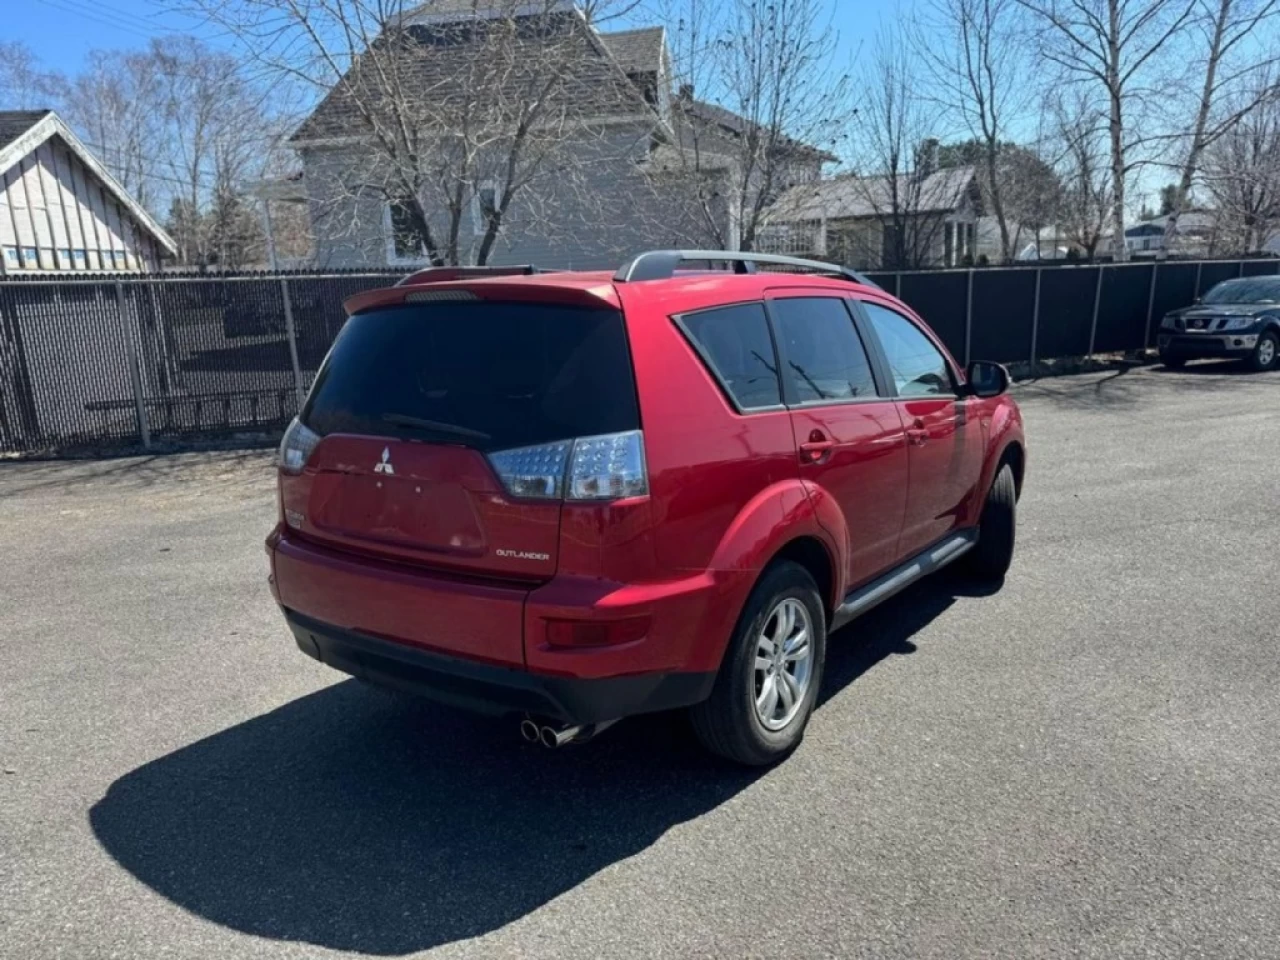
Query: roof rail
663	264
444	274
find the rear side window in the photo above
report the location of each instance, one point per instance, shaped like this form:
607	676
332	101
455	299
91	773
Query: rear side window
487	375
822	353
735	343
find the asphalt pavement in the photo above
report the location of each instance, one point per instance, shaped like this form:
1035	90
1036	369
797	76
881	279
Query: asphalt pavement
1080	764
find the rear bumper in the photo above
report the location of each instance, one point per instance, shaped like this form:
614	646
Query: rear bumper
1215	345
489	688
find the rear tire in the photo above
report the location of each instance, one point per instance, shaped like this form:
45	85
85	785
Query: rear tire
1266	355
1173	363
731	721
997	530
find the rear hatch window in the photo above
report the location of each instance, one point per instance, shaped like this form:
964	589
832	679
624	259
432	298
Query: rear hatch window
416	405
491	376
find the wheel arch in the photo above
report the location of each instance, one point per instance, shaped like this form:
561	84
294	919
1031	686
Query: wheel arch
814	556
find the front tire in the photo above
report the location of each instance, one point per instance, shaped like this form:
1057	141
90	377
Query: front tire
997	530
1266	354
768	682
1172	363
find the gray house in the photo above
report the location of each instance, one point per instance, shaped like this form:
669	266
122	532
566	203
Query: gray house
617	161
61	211
926	218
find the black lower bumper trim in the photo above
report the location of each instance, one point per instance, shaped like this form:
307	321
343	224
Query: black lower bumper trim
493	689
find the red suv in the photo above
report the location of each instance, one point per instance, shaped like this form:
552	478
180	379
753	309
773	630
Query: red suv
578	496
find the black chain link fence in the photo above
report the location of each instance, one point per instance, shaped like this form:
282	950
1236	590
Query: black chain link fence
137	361
122	362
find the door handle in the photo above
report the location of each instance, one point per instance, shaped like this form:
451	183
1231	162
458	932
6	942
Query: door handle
917	434
816	448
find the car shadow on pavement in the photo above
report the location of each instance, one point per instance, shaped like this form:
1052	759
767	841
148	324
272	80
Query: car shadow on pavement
355	820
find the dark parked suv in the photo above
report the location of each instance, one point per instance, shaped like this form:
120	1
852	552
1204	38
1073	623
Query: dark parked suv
571	497
1236	318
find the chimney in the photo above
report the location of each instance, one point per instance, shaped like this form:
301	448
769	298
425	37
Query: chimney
926	157
686	91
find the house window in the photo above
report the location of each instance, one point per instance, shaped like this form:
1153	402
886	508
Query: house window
64	259
79	258
484	205
29	259
11	256
404	245
120	259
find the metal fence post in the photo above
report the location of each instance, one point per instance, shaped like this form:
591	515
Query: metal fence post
293	341
1199	268
1151	305
1097	299
968	318
1035	316
135	370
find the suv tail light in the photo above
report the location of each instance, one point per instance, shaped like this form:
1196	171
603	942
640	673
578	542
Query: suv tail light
608	467
296	447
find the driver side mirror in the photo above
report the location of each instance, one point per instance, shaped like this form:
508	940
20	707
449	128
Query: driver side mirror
987	379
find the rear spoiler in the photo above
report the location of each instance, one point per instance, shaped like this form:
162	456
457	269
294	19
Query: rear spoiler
445	274
457	289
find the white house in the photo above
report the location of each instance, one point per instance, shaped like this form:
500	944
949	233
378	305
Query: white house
61	211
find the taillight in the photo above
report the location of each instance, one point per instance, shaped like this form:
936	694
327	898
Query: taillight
534	472
607	467
295	449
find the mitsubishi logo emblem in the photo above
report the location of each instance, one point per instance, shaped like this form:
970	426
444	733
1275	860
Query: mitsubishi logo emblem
384	466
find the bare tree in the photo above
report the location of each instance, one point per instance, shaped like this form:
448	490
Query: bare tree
779	91
115	104
457	114
23	84
1228	63
1242	169
893	161
1086	201
975	52
1110	45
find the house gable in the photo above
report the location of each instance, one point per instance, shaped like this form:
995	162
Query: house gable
26	138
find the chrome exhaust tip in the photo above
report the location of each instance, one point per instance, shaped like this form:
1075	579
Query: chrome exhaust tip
529	731
553	738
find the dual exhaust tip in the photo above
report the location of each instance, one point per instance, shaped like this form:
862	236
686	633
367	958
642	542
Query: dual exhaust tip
553	737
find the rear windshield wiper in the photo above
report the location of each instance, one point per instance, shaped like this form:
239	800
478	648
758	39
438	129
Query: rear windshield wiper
435	426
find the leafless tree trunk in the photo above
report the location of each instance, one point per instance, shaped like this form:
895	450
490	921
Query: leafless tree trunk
892	149
1111	44
775	66
1224	25
1086	202
975	52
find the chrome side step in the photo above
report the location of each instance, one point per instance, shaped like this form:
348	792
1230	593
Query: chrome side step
950	548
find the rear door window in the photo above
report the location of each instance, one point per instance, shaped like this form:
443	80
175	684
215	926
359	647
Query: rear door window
823	356
487	375
735	343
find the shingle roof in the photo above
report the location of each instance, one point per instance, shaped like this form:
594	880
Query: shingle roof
14	123
438	63
840	197
637	51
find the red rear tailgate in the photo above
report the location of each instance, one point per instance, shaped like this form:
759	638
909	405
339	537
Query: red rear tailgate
433	611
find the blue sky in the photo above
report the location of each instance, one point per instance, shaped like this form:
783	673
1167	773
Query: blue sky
61	32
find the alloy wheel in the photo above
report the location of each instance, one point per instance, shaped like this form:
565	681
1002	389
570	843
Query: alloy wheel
784	664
